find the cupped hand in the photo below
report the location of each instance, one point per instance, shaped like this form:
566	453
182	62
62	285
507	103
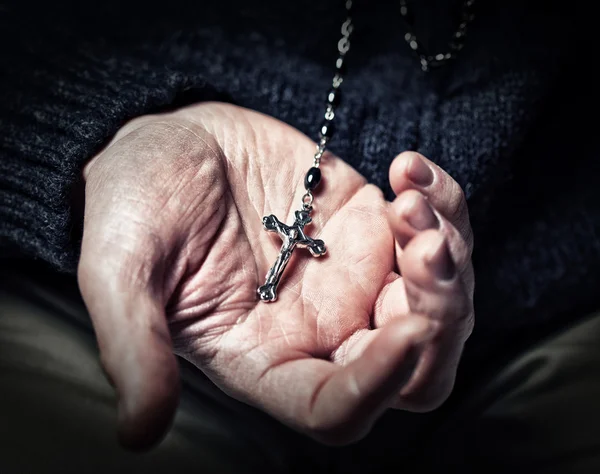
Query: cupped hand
174	249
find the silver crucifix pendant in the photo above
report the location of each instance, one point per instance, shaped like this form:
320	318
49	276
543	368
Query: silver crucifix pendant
293	236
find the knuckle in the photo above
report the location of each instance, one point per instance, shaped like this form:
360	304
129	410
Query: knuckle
457	204
428	399
469	239
461	309
457	211
468	324
405	202
460	321
457	310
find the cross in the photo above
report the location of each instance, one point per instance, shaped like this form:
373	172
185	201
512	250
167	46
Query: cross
293	236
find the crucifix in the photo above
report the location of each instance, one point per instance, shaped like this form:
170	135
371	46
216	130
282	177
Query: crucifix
292	236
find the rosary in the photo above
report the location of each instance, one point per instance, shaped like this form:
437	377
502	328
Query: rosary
293	236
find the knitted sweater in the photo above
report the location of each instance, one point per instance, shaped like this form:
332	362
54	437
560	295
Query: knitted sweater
508	119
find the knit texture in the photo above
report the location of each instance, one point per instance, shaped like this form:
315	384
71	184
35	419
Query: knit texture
506	120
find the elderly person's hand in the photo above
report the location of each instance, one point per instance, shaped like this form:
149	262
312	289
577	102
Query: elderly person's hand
174	250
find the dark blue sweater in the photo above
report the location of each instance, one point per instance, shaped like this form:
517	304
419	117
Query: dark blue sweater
510	120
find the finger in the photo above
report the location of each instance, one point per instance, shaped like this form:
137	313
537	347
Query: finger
338	404
409	214
435	289
412	213
411	170
133	339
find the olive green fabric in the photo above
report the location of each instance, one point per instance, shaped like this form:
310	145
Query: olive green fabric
539	414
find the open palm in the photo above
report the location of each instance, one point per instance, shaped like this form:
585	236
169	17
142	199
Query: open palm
174	250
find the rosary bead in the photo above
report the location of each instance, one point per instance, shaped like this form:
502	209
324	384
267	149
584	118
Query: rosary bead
333	97
312	179
326	130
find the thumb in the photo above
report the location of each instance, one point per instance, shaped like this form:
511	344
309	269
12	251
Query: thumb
135	346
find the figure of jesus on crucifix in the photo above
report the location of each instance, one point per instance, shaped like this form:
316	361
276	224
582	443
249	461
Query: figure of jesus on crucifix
293	236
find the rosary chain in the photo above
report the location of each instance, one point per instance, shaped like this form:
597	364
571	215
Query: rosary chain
313	176
454	46
334	95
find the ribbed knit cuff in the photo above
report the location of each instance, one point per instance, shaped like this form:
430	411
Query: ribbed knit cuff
58	106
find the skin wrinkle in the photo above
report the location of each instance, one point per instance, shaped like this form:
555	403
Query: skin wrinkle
207	239
198	349
244	222
223	221
226	359
259	319
185	252
267	146
252	144
340	355
199	327
198	217
312	403
183	185
233	235
249	144
273	366
212	309
284	332
356	279
356	264
177	271
248	153
391	279
125	273
212	305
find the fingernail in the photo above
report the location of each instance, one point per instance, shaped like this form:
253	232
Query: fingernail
440	261
421	215
418	171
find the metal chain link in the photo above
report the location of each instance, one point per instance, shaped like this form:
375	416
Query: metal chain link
343	48
457	42
427	62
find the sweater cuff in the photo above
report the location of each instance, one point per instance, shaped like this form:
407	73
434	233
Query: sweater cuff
57	110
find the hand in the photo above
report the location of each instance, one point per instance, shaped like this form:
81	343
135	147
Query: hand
174	250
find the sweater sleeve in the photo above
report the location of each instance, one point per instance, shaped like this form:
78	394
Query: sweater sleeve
64	92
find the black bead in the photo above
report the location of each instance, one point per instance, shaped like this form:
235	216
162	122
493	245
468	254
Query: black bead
326	130
312	179
333	97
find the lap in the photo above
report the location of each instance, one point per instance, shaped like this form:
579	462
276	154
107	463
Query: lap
540	413
58	411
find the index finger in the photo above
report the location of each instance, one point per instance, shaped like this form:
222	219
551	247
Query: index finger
411	170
